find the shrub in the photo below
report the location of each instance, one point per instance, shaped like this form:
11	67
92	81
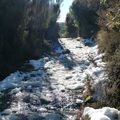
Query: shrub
110	44
89	90
84	12
23	24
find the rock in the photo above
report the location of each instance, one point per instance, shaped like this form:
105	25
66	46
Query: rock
46	59
78	38
6	112
53	116
62	90
74	87
66	51
16	90
49	74
72	106
29	88
79	47
50	107
42	110
32	99
26	99
68	77
44	101
79	101
18	117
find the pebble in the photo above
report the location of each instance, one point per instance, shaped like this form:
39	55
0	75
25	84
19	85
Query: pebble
68	77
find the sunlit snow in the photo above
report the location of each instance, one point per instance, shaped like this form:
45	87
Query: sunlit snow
105	113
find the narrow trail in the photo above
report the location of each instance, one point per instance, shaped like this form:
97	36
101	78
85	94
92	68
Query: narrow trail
53	89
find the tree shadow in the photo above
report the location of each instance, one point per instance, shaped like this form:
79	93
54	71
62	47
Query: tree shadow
63	55
89	42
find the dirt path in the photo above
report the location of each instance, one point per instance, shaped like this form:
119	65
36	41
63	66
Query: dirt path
53	89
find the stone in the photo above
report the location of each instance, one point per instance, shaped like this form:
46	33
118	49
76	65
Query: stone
46	59
74	87
53	116
66	51
18	117
79	47
44	101
68	77
6	112
42	110
62	90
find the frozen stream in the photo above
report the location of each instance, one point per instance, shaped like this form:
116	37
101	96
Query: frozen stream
53	89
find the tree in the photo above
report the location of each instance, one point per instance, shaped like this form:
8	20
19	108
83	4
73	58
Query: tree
53	29
72	26
23	26
84	12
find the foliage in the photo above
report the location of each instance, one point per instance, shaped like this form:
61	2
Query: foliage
63	30
109	43
84	14
102	16
11	14
92	15
53	28
23	26
72	27
110	14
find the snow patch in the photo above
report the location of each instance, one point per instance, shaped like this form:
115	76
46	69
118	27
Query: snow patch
11	81
37	63
105	113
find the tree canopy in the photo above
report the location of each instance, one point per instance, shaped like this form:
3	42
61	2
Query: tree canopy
23	26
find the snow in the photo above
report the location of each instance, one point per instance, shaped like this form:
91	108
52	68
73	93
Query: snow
16	80
105	113
11	81
37	63
57	81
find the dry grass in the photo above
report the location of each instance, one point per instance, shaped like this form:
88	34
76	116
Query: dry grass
86	118
109	43
89	90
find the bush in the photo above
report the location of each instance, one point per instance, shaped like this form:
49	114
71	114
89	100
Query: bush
109	43
84	12
23	26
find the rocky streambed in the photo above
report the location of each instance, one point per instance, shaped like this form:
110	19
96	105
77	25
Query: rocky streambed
53	88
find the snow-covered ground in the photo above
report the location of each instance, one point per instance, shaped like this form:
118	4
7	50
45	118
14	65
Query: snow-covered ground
53	90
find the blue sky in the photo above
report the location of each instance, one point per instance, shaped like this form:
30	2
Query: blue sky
64	10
